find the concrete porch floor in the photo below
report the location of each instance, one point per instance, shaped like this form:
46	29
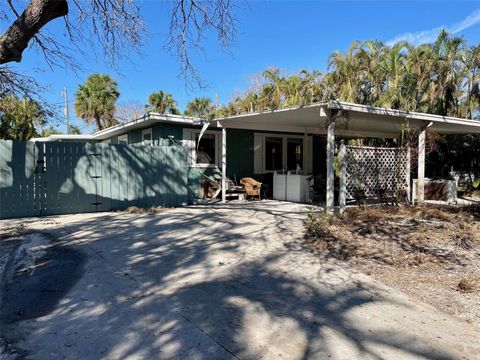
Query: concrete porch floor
211	282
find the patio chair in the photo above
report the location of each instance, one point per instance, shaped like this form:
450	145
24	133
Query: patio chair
252	187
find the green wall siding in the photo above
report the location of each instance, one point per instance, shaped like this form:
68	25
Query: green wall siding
162	131
319	165
239	153
159	132
135	137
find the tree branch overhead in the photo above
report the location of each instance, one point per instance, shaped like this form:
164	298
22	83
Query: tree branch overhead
36	15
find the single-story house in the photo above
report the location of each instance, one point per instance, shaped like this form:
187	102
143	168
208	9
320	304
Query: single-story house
298	138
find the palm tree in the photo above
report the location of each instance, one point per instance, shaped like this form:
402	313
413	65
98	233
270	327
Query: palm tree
201	107
471	62
162	103
447	51
370	57
19	118
393	69
291	90
271	91
441	78
347	72
419	71
95	100
311	89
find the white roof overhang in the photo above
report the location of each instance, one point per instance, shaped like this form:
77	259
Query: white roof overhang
140	123
355	121
55	137
144	121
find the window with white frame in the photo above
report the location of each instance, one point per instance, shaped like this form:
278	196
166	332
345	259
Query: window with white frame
207	152
294	153
123	139
206	149
147	136
274	152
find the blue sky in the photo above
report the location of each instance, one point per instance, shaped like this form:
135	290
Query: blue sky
291	35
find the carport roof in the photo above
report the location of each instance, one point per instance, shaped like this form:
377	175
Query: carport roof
355	120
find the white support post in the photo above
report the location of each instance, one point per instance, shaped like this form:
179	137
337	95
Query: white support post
330	169
421	166
305	150
224	164
342	195
409	182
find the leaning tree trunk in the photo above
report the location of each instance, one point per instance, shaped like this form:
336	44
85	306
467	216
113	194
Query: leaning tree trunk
38	13
98	121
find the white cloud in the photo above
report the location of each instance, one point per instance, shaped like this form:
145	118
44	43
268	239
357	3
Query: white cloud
470	20
428	36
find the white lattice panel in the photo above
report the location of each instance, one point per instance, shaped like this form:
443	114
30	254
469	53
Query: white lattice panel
375	171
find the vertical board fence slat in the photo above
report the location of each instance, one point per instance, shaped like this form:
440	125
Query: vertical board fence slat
59	178
114	177
40	179
162	183
49	170
31	173
105	189
148	186
6	178
123	177
145	175
16	156
173	175
18	173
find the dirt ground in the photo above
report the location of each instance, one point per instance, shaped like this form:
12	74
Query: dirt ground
431	252
224	281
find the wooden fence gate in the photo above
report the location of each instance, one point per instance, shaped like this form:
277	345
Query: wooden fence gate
63	178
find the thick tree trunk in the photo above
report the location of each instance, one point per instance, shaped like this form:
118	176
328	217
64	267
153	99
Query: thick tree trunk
38	13
99	124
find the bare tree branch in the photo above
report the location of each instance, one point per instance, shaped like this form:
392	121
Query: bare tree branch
38	13
190	21
15	83
116	27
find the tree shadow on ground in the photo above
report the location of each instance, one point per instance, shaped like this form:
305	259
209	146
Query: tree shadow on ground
223	282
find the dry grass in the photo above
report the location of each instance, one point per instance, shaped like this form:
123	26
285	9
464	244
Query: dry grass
400	236
469	285
148	210
11	230
432	252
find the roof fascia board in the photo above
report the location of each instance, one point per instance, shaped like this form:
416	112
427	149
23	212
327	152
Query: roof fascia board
178	119
321	105
401	113
261	127
54	137
320	130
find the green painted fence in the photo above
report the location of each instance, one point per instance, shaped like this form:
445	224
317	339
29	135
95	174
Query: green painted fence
63	178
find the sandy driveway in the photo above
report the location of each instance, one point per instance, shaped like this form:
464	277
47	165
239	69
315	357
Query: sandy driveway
228	281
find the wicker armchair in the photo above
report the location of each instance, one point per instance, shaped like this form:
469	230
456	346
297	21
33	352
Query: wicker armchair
252	187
